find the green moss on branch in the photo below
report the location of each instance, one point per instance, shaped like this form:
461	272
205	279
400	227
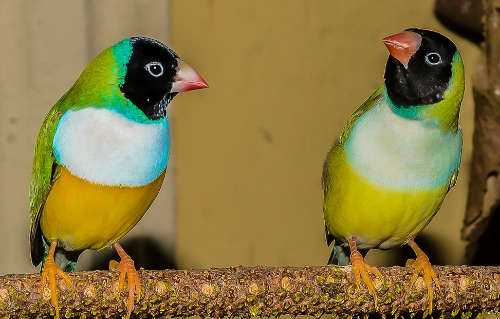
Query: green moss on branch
253	291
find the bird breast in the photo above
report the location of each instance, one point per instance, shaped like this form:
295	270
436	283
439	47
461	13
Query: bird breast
400	153
104	147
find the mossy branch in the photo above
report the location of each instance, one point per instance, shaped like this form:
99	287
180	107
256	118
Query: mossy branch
253	291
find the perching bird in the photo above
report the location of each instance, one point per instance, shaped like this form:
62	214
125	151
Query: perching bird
101	156
397	157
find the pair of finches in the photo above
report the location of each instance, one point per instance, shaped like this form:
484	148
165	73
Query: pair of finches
103	149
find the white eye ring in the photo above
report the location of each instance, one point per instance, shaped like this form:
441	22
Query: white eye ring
154	68
430	58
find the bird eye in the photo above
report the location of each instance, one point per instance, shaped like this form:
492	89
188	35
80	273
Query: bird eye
432	58
154	68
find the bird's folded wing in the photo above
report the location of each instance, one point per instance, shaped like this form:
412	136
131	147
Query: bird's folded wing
326	182
367	105
42	177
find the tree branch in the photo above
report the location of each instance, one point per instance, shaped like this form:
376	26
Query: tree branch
462	16
253	291
482	216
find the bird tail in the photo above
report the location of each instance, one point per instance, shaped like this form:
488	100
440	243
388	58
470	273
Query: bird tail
65	260
340	256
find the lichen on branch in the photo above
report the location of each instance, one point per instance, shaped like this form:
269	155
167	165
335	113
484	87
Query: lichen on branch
253	291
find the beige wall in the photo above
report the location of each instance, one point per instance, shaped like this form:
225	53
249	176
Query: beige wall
284	77
44	47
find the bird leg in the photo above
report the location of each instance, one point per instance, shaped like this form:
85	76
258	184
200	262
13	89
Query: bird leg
50	271
422	265
126	267
361	270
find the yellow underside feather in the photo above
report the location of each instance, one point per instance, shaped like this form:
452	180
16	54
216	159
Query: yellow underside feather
84	215
376	216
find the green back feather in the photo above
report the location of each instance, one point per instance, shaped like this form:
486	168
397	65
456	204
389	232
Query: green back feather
41	174
346	130
41	180
366	106
99	84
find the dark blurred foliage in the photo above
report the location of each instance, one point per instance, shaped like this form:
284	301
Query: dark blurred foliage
485	250
463	17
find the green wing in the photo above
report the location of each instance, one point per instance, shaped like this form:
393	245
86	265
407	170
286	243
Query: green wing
371	102
42	177
453	180
454	177
367	105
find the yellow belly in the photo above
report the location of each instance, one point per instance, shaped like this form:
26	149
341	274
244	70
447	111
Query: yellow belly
84	215
377	217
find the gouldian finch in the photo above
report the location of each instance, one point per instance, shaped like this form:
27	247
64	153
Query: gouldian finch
101	155
397	157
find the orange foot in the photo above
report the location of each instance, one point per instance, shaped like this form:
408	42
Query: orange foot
126	267
50	271
422	266
361	270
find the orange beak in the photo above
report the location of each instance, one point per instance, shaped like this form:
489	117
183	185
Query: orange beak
186	79
403	45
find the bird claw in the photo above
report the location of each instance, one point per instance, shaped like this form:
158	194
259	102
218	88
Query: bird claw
422	266
127	269
361	270
49	273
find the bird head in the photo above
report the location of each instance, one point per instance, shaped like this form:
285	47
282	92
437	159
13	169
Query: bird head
424	69
137	77
154	74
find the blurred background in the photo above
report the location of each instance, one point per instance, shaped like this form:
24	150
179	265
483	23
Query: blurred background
243	184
